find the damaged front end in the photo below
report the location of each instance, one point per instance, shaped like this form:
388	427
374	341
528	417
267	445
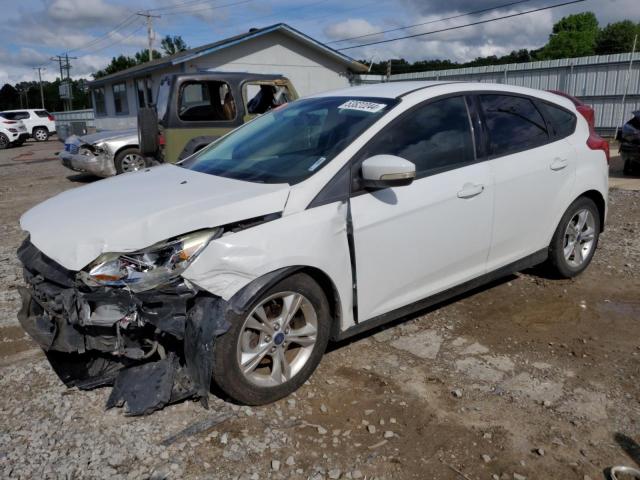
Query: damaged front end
85	157
154	346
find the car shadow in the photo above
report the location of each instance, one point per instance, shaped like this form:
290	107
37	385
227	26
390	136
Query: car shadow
83	178
335	345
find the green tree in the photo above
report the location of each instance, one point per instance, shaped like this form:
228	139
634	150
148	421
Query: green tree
143	56
617	37
119	63
173	44
9	97
573	36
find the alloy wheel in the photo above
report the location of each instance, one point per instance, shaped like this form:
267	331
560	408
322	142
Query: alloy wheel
579	238
4	141
277	339
40	134
132	162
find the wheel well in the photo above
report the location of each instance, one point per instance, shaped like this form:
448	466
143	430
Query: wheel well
124	148
39	126
598	199
331	293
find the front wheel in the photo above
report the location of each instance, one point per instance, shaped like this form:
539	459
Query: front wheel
274	346
129	160
576	238
4	141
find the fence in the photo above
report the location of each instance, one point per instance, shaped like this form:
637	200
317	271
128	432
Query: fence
596	80
78	122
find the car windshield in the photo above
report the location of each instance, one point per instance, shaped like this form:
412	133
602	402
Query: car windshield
290	143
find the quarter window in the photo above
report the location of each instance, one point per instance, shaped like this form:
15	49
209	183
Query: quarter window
561	122
98	101
120	98
206	101
435	137
513	123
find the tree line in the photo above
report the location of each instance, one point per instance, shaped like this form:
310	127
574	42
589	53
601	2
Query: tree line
576	35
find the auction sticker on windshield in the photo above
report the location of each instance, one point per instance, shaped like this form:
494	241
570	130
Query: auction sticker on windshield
362	106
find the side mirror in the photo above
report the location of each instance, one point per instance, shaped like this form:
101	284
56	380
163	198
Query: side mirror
382	171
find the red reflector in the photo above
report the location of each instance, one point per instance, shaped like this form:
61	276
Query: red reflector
161	140
9	122
52	118
596	142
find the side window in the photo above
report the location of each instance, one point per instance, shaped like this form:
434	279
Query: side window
120	98
434	136
21	115
209	101
562	123
42	113
263	97
98	101
513	124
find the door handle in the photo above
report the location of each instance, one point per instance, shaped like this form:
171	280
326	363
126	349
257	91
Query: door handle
470	190
559	163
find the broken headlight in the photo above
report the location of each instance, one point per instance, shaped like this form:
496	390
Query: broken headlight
150	267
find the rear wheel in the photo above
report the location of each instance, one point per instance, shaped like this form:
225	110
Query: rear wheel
275	345
628	169
129	160
576	238
41	134
4	141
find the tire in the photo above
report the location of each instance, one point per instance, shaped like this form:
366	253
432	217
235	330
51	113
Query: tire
564	261
257	387
148	131
628	169
129	160
4	141
40	134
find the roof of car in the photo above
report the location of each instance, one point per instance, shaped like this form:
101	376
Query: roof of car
400	89
24	110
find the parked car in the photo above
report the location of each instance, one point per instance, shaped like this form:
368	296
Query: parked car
40	123
192	110
199	121
630	144
104	153
316	221
12	132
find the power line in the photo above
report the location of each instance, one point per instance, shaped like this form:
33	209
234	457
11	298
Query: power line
212	7
120	40
191	3
463	26
106	36
475	12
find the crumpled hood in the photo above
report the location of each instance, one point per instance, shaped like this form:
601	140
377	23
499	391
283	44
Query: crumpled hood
108	135
136	210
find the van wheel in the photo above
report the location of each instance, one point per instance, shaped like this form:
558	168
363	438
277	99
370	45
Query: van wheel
274	346
41	134
4	141
129	160
576	238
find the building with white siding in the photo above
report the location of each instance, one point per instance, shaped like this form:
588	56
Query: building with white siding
311	66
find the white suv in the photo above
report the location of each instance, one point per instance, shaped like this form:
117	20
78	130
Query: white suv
12	132
40	123
316	221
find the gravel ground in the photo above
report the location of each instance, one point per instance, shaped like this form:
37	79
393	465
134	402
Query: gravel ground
526	378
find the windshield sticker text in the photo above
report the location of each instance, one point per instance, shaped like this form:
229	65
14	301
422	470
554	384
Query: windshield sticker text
362	106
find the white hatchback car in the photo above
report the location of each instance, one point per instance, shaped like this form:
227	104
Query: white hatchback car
319	220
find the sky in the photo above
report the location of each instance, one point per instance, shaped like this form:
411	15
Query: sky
96	30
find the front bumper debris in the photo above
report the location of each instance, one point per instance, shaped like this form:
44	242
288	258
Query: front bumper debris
99	164
155	347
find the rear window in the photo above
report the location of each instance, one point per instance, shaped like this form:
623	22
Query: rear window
562	123
15	115
206	101
514	124
42	113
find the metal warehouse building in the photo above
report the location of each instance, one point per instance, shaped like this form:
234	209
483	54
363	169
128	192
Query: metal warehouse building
599	81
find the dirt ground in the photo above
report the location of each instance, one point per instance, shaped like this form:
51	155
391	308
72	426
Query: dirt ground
529	377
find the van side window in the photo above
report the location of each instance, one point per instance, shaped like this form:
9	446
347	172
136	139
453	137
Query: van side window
435	136
562	123
513	123
207	101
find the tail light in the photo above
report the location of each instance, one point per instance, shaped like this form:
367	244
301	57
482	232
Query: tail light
161	141
52	118
596	142
9	122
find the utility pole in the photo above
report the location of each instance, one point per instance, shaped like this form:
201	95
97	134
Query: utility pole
149	18
626	85
388	70
65	66
40	80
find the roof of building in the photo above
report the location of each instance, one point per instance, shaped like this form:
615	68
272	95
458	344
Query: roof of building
196	52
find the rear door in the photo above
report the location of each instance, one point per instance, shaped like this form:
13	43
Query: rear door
533	171
417	240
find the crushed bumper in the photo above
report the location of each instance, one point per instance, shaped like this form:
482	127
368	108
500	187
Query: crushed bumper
100	164
155	347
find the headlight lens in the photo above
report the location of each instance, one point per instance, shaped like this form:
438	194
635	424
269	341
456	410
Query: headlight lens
150	267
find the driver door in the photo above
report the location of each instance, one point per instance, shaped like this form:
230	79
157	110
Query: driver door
414	241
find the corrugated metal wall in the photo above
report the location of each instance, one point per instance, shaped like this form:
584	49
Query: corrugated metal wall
597	80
